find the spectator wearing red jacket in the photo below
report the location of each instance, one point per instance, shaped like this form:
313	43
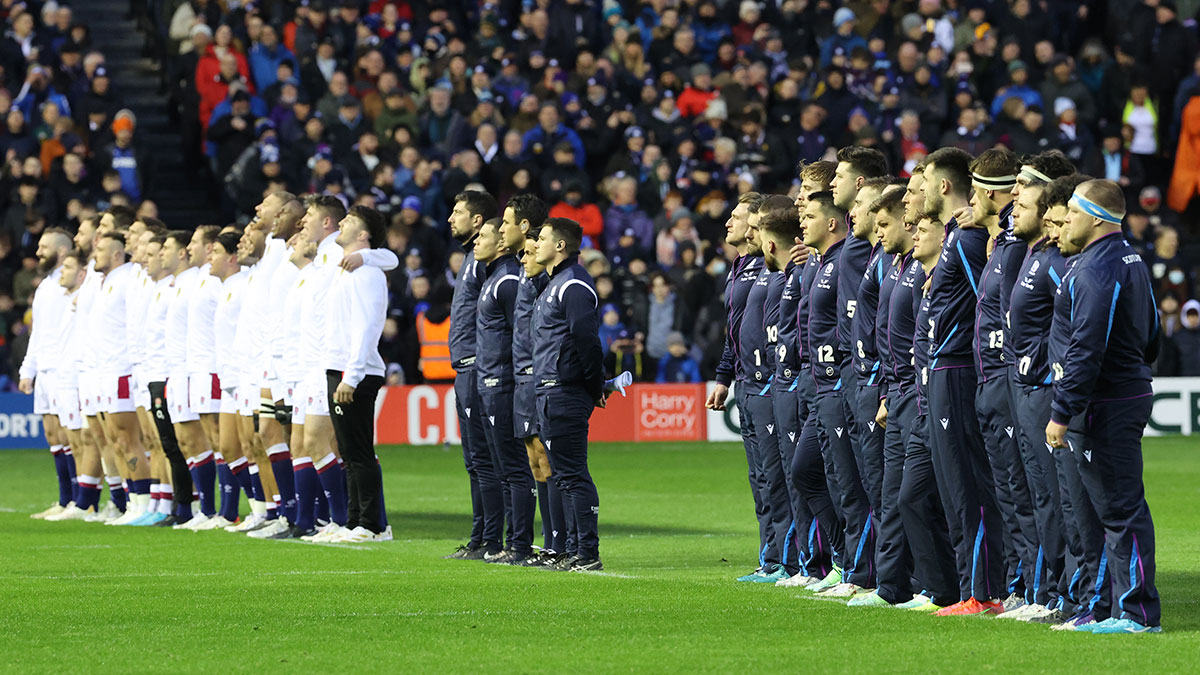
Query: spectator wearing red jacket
693	100
586	214
221	65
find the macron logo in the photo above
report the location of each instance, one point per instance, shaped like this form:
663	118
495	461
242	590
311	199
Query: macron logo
1009	431
838	431
792	436
492	420
770	428
468	411
871	426
945	422
527	426
1087	454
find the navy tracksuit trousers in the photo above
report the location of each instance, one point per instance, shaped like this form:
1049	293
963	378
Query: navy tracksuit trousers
965	478
758	412
1001	438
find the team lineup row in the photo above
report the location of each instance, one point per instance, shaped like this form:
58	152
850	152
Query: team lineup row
164	362
942	385
224	353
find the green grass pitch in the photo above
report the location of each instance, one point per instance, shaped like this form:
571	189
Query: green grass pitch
676	527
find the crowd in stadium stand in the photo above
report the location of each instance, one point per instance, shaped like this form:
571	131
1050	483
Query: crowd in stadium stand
641	119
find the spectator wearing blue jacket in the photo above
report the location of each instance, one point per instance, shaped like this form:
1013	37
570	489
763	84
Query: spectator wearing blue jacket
36	91
843	36
539	142
1018	75
625	219
676	365
265	56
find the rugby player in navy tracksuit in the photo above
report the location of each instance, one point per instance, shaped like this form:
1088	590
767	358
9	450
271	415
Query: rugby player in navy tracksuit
795	393
471	209
786	391
825	231
738	284
757	344
922	504
1049	585
889	353
1102	388
993	175
774	229
519	228
959	458
496	381
568	371
1036	299
864	358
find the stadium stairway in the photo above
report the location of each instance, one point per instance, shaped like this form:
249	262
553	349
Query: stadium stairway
183	200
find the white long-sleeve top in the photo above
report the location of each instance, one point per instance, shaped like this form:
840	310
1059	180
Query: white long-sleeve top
225	324
314	313
356	309
141	294
48	333
201	335
109	328
155	363
74	334
282	281
85	303
288	351
253	333
175	342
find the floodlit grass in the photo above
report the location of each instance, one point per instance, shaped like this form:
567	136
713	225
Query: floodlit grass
676	527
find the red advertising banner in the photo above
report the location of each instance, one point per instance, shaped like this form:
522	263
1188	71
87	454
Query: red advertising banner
425	415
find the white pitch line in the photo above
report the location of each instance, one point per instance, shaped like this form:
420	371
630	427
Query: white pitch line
155	575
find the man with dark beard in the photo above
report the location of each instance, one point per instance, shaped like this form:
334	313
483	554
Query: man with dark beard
38	369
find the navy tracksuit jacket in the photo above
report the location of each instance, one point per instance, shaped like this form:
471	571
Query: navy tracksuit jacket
568	373
1102	387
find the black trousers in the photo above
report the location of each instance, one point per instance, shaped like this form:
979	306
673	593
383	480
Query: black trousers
181	478
354	428
487	502
510	458
563	413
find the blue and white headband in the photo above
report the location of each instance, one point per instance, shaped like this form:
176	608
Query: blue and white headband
1093	209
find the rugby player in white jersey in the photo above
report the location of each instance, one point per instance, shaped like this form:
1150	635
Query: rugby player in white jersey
211	322
189	433
250	343
89	391
173	472
273	411
263	502
41	369
311	505
111	331
87	488
141	294
320	225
